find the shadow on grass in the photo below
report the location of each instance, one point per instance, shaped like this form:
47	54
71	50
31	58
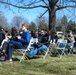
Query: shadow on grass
15	59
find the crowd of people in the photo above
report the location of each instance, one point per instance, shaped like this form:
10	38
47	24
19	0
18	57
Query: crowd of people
19	40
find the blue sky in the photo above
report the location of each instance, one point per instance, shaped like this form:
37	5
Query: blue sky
69	12
32	14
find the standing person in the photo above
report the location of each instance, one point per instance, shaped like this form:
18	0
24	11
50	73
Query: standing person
21	43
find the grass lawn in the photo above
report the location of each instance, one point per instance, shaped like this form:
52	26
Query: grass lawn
39	66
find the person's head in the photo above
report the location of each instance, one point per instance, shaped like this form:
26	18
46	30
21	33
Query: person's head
13	31
24	27
70	32
42	32
34	34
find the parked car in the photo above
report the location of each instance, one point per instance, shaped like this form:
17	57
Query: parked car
60	34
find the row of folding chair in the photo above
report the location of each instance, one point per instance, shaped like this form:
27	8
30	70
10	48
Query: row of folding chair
23	51
51	45
60	45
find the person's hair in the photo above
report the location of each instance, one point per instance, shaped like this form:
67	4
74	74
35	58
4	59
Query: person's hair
70	31
14	31
25	25
34	35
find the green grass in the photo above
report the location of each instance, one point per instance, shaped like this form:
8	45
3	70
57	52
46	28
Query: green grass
39	66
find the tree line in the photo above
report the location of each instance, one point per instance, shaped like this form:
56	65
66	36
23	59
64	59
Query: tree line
62	24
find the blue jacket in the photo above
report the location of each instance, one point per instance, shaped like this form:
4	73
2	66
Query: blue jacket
25	38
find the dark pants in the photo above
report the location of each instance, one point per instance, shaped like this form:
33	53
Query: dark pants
11	45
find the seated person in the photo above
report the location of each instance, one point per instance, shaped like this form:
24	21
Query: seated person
73	45
21	43
2	35
44	37
54	37
5	38
39	46
70	40
9	37
35	50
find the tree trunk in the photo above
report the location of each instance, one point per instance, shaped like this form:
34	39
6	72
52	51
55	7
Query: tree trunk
52	16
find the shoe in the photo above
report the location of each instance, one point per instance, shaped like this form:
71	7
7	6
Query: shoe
9	61
28	57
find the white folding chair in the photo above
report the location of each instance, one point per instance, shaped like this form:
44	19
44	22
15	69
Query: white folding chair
46	53
62	46
48	49
27	49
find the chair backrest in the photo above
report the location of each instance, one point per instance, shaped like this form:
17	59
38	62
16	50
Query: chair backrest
32	41
63	43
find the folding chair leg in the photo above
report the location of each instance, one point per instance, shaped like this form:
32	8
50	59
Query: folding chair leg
63	52
22	57
46	53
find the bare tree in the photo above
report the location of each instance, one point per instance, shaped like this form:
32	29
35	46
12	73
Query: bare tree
64	24
3	20
42	23
18	21
49	5
58	22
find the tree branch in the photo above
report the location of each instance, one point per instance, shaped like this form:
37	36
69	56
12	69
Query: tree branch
31	3
74	1
23	7
65	7
47	5
43	14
